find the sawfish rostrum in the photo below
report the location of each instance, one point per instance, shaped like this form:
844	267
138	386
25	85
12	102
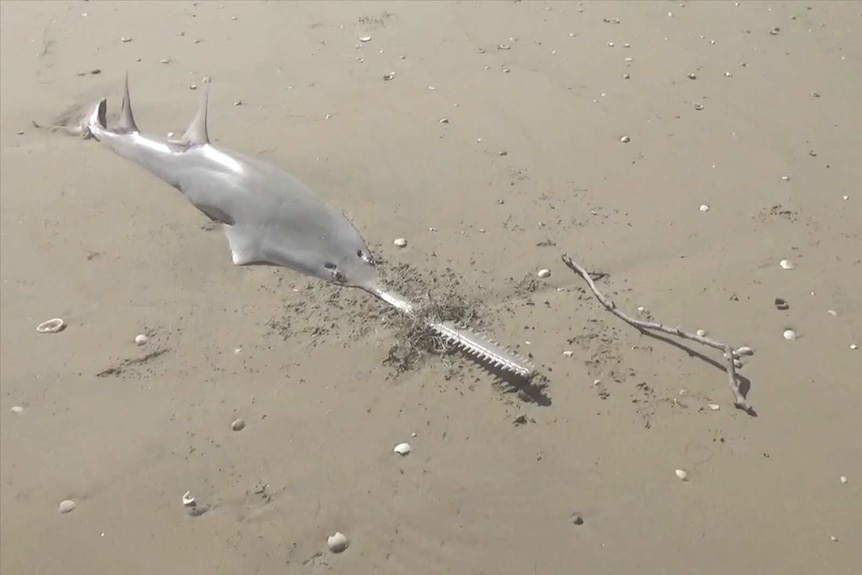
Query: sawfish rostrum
269	216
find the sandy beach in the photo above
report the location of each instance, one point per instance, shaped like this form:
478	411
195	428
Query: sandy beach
683	149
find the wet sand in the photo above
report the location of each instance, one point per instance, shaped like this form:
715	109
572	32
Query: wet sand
719	109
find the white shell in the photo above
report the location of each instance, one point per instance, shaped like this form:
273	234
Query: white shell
365	38
681	474
843	479
543	273
188	500
67	506
789	334
16	409
786	264
141	339
400	242
337	542
714	406
55	325
402	449
854	347
625	139
704	207
238	424
568	353
701	332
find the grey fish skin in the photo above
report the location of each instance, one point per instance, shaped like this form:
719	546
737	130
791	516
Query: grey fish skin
269	216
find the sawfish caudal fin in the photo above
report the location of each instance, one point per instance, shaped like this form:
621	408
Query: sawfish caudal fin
197	134
127	119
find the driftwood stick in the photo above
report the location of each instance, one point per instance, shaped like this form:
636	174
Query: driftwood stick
731	355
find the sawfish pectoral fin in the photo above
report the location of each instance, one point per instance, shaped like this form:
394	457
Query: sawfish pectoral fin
245	249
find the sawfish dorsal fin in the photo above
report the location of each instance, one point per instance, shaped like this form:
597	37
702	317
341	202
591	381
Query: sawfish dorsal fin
197	135
127	119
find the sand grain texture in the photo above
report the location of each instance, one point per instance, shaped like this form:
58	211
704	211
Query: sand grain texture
494	483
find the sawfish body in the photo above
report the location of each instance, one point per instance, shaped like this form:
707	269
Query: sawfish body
269	216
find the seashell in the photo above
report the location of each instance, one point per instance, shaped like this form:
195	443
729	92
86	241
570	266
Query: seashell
781	304
854	347
698	107
238	424
789	334
337	542
625	139
704	207
126	39
786	264
188	500
744	350
785	178
543	273
365	38
701	333
400	242
16	409
843	479
402	449
55	325
67	506
714	406
681	474
503	47
141	339
389	76
568	353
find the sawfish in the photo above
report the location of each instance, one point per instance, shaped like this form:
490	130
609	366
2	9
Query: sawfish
269	216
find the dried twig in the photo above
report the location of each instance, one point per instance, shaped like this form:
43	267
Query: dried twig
731	355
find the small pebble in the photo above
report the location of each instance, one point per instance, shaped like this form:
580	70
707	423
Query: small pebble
854	347
785	178
193	86
786	265
701	332
692	76
543	273
774	31
141	339
165	61
704	207
625	139
238	425
626	76
16	409
67	506
568	353
400	242
402	449
126	39
833	538
577	519
714	406
843	479
337	542
389	76
789	334
238	103
681	474
365	38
